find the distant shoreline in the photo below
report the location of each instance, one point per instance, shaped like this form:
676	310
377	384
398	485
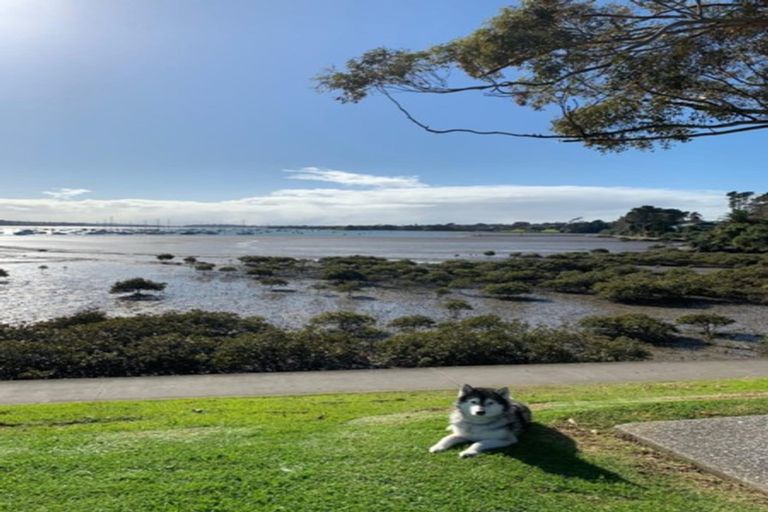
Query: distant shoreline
516	227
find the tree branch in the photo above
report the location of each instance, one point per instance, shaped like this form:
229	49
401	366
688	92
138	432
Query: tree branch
426	127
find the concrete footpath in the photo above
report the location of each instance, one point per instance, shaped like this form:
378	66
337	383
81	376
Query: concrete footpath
348	381
732	447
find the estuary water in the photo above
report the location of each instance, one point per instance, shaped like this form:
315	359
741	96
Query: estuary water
52	276
415	245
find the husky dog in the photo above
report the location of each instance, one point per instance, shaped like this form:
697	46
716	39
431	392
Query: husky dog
486	418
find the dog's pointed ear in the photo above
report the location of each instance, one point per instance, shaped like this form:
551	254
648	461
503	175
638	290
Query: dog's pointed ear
504	392
465	390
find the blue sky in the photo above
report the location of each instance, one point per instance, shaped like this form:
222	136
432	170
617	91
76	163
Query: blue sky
194	110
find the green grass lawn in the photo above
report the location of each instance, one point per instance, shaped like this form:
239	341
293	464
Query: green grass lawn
365	452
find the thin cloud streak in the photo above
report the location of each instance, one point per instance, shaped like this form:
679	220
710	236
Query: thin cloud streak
384	205
67	193
352	178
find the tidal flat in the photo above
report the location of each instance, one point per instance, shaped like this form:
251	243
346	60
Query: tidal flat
52	277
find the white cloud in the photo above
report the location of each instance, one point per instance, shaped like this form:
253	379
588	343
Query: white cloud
382	205
353	178
67	193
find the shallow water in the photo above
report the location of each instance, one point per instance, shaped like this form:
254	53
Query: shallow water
81	269
418	246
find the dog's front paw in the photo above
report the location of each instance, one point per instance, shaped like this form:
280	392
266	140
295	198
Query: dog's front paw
468	453
437	448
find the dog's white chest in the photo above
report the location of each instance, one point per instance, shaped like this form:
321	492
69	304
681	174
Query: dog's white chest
480	431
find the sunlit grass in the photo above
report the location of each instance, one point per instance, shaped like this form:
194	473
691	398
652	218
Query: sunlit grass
360	452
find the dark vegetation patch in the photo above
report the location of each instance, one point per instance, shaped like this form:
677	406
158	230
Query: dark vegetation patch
633	325
92	345
666	276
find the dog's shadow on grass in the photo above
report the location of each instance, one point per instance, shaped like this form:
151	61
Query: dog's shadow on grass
554	452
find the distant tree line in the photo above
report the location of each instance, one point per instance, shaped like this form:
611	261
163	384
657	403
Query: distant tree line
4	222
745	229
594	226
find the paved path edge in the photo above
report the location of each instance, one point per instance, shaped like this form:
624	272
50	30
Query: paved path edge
708	468
364	381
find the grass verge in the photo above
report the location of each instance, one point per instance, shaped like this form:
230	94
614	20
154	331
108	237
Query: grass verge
361	452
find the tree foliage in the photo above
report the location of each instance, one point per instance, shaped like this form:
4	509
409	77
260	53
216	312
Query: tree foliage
636	326
636	74
456	306
136	286
745	229
412	322
708	322
349	322
272	282
198	342
506	290
746	206
651	220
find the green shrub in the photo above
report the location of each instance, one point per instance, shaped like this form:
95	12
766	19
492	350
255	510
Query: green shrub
490	322
169	354
313	349
633	325
25	360
640	288
228	268
744	284
548	345
203	266
490	340
437	278
506	290
209	342
412	322
260	272
462	282
348	287
347	322
271	261
273	281
136	286
739	236
88	316
124	331
190	260
261	352
276	350
526	276
344	274
708	322
456	306
580	282
452	344
3	273
165	256
762	347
